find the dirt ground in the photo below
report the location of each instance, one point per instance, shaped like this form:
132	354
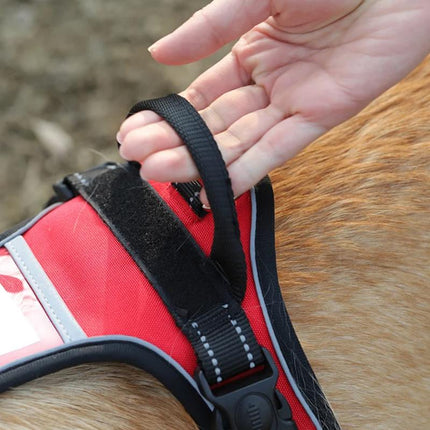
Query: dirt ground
69	72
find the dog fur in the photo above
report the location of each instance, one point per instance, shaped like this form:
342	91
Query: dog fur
353	248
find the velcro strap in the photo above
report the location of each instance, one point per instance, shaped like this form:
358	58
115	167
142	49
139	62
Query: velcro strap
226	249
190	284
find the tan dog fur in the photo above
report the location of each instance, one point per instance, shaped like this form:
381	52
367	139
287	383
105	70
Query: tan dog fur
353	245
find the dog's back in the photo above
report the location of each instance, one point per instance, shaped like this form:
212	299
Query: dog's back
353	224
353	244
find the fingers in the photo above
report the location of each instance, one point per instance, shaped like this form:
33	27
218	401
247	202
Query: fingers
220	79
246	132
176	164
224	76
278	145
141	142
232	106
254	144
137	120
209	29
258	156
140	139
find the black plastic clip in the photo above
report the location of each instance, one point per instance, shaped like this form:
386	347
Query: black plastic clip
250	403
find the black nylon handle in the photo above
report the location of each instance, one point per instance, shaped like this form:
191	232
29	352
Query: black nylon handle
227	249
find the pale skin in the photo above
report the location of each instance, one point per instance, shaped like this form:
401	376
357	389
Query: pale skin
299	68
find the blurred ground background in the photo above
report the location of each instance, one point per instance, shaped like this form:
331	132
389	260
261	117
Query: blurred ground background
69	72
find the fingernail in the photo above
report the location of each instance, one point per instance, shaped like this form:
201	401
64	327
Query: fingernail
206	206
152	48
204	199
119	138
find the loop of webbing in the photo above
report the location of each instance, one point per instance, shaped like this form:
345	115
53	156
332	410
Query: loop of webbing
227	249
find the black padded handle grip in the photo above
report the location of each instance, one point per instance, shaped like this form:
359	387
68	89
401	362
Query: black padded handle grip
227	249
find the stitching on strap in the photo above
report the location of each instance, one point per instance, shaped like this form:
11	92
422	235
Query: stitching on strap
242	338
82	179
210	352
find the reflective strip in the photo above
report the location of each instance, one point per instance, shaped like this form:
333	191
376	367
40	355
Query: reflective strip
273	338
45	291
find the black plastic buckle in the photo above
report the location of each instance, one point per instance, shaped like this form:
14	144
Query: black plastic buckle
250	403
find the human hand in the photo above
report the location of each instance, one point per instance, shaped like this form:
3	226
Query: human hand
299	69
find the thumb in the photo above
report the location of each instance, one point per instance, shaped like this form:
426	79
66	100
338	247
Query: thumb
218	23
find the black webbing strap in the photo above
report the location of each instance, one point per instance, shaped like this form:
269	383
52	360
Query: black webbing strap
190	192
226	249
192	287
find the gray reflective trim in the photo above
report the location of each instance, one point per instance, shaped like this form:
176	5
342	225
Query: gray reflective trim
30	224
267	318
45	291
92	340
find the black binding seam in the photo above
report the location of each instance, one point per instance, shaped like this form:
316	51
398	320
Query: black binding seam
109	349
290	348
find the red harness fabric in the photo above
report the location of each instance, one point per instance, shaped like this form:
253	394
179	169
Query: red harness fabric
108	294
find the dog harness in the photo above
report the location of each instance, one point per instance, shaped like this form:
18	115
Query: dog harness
120	269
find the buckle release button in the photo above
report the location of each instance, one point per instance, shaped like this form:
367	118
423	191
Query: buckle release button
254	412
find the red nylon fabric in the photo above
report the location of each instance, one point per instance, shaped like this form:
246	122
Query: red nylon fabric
109	295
